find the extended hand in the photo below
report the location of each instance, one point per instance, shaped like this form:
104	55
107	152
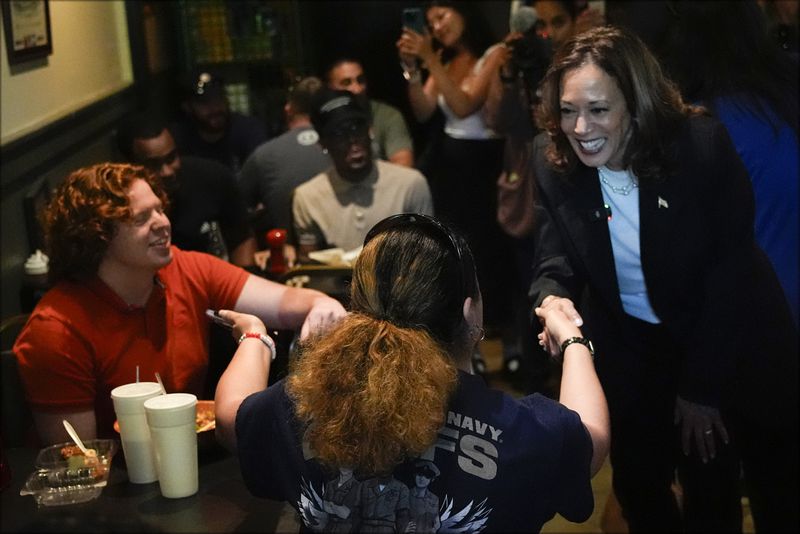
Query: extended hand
559	320
325	313
698	423
243	322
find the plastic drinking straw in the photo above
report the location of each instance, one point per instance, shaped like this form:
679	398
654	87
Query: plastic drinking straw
161	384
137	374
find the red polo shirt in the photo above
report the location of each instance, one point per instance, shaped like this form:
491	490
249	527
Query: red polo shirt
82	340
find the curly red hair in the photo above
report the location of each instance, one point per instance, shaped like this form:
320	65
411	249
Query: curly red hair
83	216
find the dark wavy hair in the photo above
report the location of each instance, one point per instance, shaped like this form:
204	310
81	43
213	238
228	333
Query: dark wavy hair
755	72
655	105
477	36
83	216
374	391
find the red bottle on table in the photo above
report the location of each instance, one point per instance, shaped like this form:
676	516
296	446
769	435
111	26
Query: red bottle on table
276	265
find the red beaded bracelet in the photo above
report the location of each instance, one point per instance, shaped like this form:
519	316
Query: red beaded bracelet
264	339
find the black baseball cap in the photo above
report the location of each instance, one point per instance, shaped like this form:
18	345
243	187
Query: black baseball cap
333	108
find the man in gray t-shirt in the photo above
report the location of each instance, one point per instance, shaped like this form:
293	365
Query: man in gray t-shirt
275	168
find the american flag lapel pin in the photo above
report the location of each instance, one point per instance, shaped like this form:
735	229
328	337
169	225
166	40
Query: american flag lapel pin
662	203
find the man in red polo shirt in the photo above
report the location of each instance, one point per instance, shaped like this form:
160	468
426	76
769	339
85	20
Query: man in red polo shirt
124	297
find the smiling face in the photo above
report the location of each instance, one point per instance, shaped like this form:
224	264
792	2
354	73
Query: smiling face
594	116
348	76
446	24
142	242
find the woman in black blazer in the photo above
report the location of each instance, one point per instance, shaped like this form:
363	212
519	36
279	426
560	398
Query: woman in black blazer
645	226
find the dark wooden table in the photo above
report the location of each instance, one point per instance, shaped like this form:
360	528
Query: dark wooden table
222	503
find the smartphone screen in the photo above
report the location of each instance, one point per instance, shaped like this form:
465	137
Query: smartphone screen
414	19
214	316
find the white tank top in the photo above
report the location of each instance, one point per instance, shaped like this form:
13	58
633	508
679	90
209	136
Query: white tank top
472	126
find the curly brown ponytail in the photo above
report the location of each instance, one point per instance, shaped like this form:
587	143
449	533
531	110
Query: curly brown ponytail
372	393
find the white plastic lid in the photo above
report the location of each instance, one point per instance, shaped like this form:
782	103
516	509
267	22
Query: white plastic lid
172	409
129	398
37	263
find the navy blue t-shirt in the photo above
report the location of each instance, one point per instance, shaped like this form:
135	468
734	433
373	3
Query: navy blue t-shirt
243	136
499	465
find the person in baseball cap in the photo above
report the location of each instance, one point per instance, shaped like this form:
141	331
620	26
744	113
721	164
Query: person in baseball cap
333	108
209	128
336	208
343	127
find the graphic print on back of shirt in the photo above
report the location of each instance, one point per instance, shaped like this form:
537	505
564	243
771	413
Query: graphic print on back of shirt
388	504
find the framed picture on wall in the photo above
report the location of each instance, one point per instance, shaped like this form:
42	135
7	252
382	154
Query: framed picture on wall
26	24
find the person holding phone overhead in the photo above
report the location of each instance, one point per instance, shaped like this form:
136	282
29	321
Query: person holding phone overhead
454	50
645	227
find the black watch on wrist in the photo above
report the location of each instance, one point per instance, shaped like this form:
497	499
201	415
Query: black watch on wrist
582	340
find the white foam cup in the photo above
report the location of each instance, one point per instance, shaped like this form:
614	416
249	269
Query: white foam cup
172	420
133	430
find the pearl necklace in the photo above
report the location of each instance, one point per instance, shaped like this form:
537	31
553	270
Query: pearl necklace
624	190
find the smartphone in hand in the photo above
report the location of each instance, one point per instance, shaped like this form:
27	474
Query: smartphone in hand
414	19
214	316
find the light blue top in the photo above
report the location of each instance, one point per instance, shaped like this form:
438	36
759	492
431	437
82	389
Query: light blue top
623	225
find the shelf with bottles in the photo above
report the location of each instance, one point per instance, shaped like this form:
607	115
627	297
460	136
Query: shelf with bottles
225	31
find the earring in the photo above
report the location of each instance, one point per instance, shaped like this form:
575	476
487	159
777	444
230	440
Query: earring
324	150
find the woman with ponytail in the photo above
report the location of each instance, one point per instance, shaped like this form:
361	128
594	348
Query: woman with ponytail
381	425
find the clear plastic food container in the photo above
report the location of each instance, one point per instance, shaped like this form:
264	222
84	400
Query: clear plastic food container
52	458
58	481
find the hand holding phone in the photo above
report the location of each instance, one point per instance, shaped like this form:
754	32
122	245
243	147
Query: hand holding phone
414	19
215	316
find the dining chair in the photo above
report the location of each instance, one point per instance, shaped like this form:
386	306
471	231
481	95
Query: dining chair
17	421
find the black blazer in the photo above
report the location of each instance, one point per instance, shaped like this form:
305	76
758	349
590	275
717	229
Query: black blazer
708	282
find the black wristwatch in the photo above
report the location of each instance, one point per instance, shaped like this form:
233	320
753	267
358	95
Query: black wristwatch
582	340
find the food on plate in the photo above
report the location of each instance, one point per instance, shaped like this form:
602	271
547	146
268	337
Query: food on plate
205	420
78	461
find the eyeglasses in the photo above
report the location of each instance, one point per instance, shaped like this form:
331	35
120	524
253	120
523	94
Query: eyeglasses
436	228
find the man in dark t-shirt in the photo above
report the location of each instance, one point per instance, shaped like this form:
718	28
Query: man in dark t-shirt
208	127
